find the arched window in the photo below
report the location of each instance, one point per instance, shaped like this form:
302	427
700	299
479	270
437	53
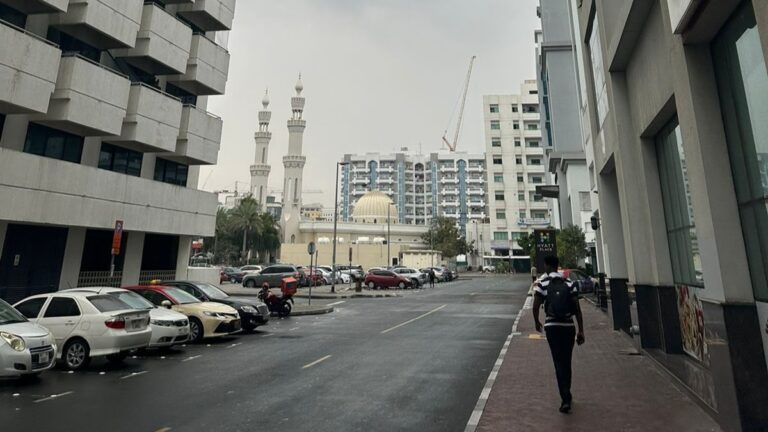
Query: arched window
293	238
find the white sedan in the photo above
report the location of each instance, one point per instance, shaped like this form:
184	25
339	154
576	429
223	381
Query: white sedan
168	327
341	277
88	325
25	347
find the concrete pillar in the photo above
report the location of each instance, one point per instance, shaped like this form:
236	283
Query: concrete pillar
761	16
134	249
14	132
611	229
182	259
148	166
73	257
3	230
91	152
193	177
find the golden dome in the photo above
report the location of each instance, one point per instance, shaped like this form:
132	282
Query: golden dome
372	208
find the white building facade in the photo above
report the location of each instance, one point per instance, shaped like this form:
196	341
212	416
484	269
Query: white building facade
104	120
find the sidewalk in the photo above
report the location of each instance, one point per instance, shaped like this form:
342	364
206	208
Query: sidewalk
613	389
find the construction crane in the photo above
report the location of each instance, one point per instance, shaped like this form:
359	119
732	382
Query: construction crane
452	146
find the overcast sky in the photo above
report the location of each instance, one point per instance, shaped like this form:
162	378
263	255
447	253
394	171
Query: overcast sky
378	75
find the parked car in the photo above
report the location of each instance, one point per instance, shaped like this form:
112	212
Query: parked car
253	312
273	275
417	277
168	327
317	278
341	277
439	273
386	279
489	269
232	274
88	325
251	269
206	319
355	271
584	282
25	347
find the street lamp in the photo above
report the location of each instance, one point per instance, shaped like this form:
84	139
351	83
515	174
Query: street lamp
389	258
335	223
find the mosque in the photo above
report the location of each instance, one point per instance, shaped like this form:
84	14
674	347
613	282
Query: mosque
371	238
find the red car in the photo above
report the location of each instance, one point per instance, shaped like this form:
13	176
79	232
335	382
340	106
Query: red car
583	281
386	279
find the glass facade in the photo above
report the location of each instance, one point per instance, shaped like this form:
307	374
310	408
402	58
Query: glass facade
171	172
53	143
118	159
743	87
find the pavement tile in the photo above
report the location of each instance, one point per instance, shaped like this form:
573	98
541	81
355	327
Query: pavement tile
613	390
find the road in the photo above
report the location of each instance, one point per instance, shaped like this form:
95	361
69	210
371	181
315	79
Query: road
416	362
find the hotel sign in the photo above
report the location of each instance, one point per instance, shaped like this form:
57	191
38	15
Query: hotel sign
680	13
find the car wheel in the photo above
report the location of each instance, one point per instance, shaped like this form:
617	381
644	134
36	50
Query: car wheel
285	309
76	354
250	283
117	357
371	285
195	330
401	285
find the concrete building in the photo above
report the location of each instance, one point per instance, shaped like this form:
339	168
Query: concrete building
294	163
102	118
674	103
560	119
260	169
516	165
423	186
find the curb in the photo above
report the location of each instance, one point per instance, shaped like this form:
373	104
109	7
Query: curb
316	311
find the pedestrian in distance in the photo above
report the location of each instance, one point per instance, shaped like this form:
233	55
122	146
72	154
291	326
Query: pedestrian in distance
534	273
431	278
560	298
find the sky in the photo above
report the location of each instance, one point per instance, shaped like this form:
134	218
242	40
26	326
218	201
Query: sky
378	75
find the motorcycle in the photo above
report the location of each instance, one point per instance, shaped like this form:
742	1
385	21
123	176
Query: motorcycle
281	305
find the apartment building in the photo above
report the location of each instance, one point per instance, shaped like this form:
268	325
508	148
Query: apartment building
673	100
422	186
516	166
103	119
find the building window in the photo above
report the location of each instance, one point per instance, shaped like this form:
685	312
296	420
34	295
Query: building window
499	196
498	178
538	214
585	201
516	236
537	180
536	197
495	142
598	75
515	125
533	92
521	196
171	172
495	125
520	179
532	126
500	214
519	161
497	160
517	143
494	108
13	16
535	161
530	109
501	235
743	86
52	143
514	108
678	210
118	159
532	144
522	214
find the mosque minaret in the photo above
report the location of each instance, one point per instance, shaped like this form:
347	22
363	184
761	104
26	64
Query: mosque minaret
260	169
294	168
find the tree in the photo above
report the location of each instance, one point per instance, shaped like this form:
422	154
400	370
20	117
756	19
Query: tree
269	237
571	246
245	217
527	242
444	236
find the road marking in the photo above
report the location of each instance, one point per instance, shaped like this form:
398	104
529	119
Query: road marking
133	375
337	303
292	329
192	358
414	319
268	334
316	362
54	396
234	345
165	429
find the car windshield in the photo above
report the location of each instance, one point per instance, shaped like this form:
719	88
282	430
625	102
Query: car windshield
9	315
211	291
181	297
108	303
133	300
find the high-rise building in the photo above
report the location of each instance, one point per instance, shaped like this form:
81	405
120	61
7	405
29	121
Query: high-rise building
422	186
294	163
260	168
516	165
102	119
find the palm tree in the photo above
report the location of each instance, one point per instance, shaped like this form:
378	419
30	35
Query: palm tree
269	236
246	217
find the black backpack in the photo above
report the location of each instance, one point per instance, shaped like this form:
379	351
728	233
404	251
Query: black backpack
559	303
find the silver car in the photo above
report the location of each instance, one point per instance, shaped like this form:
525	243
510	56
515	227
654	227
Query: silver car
417	277
273	276
25	348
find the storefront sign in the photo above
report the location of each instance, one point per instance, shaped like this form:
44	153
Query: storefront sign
680	13
691	323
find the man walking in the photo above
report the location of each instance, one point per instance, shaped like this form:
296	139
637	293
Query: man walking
431	278
560	297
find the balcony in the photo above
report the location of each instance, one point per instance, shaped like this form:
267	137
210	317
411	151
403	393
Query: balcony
387	169
199	137
476	192
534	222
37	6
449	180
476	180
162	45
209	15
27	72
385	181
475	169
102	24
448	169
89	99
152	121
50	191
360	181
207	68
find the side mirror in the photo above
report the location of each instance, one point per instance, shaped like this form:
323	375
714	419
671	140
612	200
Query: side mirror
166	304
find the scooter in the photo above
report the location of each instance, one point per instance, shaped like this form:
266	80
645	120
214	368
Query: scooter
281	305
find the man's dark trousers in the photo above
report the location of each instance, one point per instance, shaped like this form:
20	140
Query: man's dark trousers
561	340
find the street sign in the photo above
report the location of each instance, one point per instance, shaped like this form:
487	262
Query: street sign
350	254
546	244
117	237
311	248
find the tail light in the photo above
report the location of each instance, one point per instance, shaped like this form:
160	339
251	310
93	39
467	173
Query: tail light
115	323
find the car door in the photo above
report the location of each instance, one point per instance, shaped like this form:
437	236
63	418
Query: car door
389	278
61	316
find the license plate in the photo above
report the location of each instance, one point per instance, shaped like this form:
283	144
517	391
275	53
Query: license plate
44	357
183	331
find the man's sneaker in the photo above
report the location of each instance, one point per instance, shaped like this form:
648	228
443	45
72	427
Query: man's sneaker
565	407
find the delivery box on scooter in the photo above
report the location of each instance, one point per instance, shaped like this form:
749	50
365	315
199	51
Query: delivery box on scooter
289	286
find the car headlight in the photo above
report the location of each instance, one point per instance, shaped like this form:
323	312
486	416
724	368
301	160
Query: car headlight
213	314
161	323
248	309
16	342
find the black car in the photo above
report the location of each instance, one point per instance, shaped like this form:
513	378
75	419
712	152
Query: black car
232	274
253	312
